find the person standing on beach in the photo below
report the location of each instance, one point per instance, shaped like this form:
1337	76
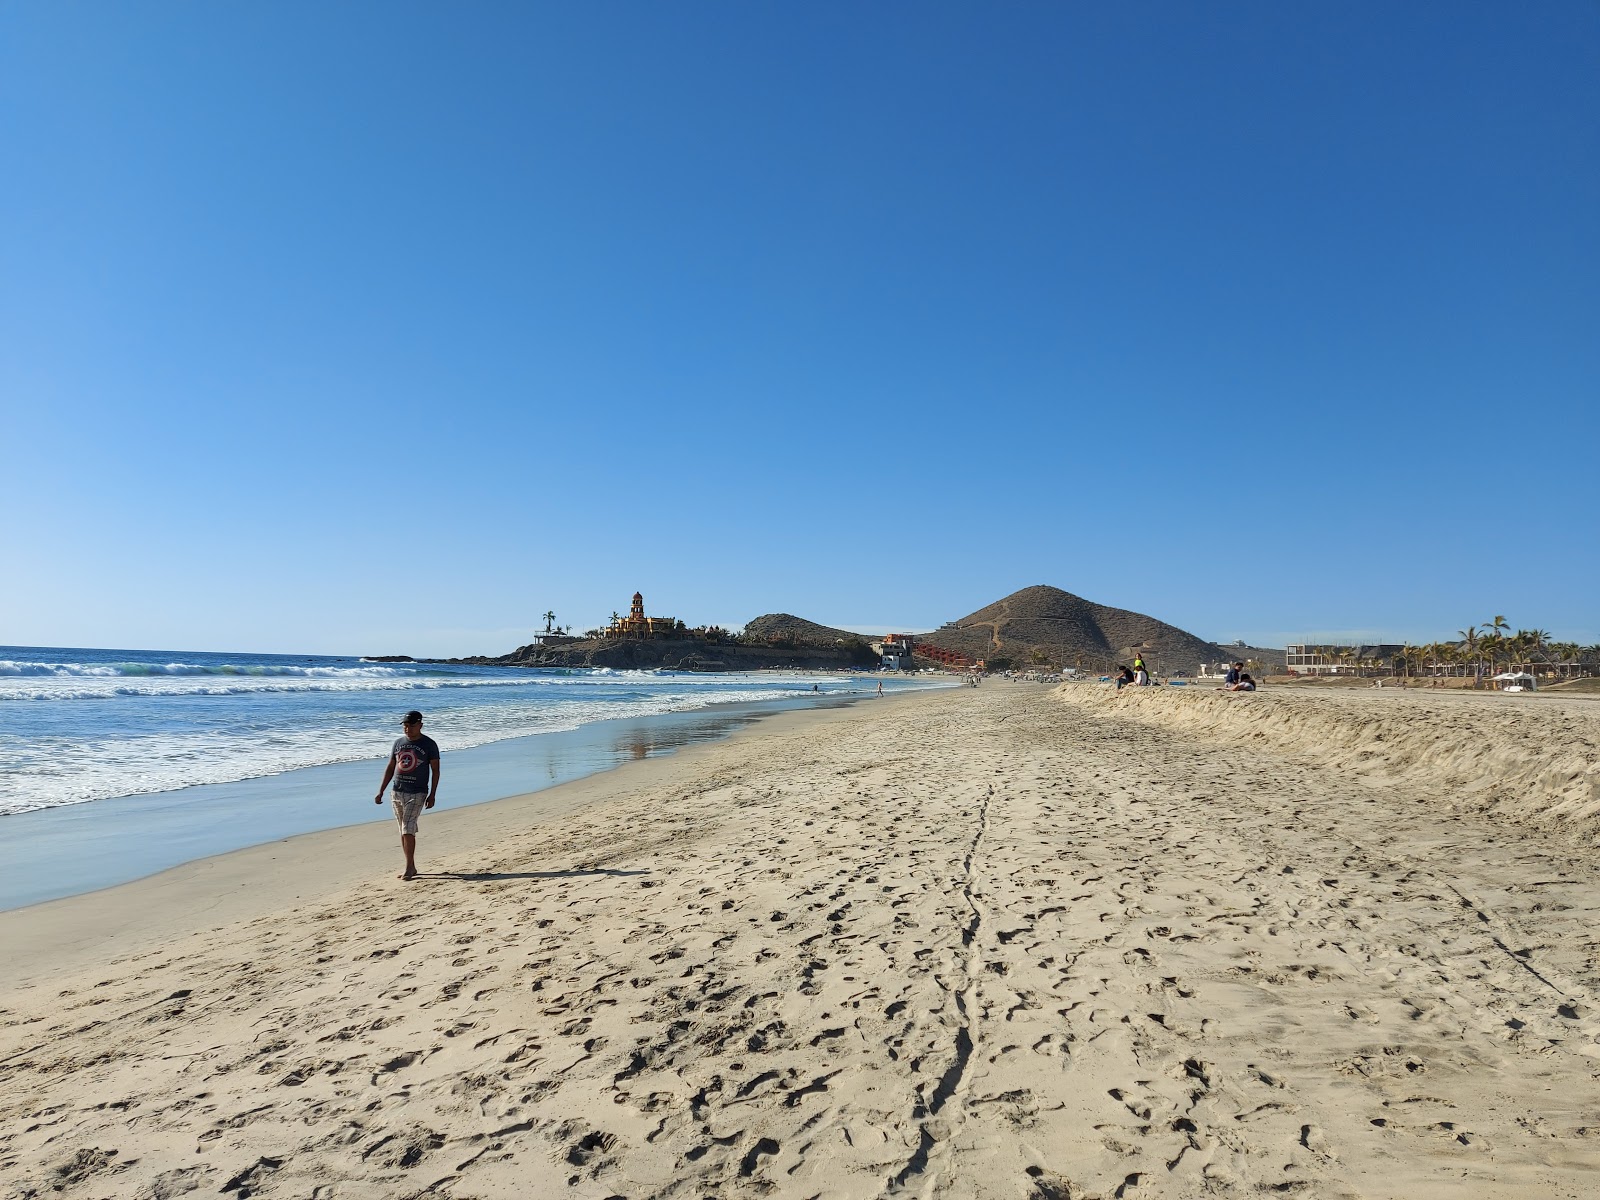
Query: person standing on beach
414	767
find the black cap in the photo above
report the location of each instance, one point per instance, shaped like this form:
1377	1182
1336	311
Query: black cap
413	715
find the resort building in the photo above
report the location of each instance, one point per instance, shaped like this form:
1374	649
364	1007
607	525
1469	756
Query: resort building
896	651
637	625
1308	659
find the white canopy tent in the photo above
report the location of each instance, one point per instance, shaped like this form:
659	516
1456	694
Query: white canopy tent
1514	681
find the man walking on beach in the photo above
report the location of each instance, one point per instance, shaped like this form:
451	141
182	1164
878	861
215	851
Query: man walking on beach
414	767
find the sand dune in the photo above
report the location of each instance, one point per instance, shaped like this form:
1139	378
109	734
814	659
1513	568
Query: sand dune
1530	759
985	943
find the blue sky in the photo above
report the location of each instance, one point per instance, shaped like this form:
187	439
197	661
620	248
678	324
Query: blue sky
384	328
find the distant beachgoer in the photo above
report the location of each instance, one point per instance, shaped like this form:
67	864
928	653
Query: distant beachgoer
1138	664
1244	684
1124	677
880	687
1230	679
414	767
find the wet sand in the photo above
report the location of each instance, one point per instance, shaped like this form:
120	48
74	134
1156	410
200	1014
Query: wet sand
996	942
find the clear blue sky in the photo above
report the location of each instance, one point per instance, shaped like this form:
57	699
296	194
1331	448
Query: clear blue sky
384	328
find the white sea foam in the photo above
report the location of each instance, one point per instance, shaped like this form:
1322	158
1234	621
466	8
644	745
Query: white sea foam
45	773
75	688
139	669
86	725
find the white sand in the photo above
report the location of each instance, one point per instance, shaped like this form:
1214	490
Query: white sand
999	942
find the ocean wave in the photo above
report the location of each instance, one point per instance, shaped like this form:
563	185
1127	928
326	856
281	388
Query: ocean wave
73	681
76	689
136	669
53	775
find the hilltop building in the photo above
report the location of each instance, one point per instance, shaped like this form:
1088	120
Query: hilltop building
896	651
637	625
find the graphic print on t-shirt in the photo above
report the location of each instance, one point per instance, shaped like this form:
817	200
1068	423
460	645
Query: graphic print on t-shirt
411	759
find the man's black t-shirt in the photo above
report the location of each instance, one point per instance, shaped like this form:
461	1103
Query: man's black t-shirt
411	759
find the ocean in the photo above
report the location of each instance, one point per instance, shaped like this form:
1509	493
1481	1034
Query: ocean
115	763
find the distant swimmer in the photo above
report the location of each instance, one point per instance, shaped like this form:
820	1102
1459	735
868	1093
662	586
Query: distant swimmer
414	767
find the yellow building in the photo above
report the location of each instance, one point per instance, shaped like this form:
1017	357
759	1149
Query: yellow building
637	625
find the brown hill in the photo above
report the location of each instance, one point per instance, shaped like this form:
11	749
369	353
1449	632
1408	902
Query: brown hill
785	627
1069	631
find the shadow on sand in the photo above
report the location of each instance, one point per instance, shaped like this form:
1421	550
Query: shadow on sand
492	876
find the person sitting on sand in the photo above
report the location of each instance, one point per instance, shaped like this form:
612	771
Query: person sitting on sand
1245	684
412	760
1230	679
1124	677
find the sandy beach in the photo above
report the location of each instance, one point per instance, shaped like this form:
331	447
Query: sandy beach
1011	941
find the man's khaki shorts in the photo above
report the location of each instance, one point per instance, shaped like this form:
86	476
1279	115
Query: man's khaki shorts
407	808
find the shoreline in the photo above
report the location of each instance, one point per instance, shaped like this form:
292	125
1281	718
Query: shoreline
240	884
51	853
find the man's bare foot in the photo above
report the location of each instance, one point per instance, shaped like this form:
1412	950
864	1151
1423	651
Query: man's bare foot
408	876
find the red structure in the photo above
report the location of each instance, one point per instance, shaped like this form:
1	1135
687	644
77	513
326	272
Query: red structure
945	658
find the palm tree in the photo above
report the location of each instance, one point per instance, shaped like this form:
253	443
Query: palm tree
1491	644
549	621
1589	655
1517	648
1539	643
1497	627
1469	642
1567	653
